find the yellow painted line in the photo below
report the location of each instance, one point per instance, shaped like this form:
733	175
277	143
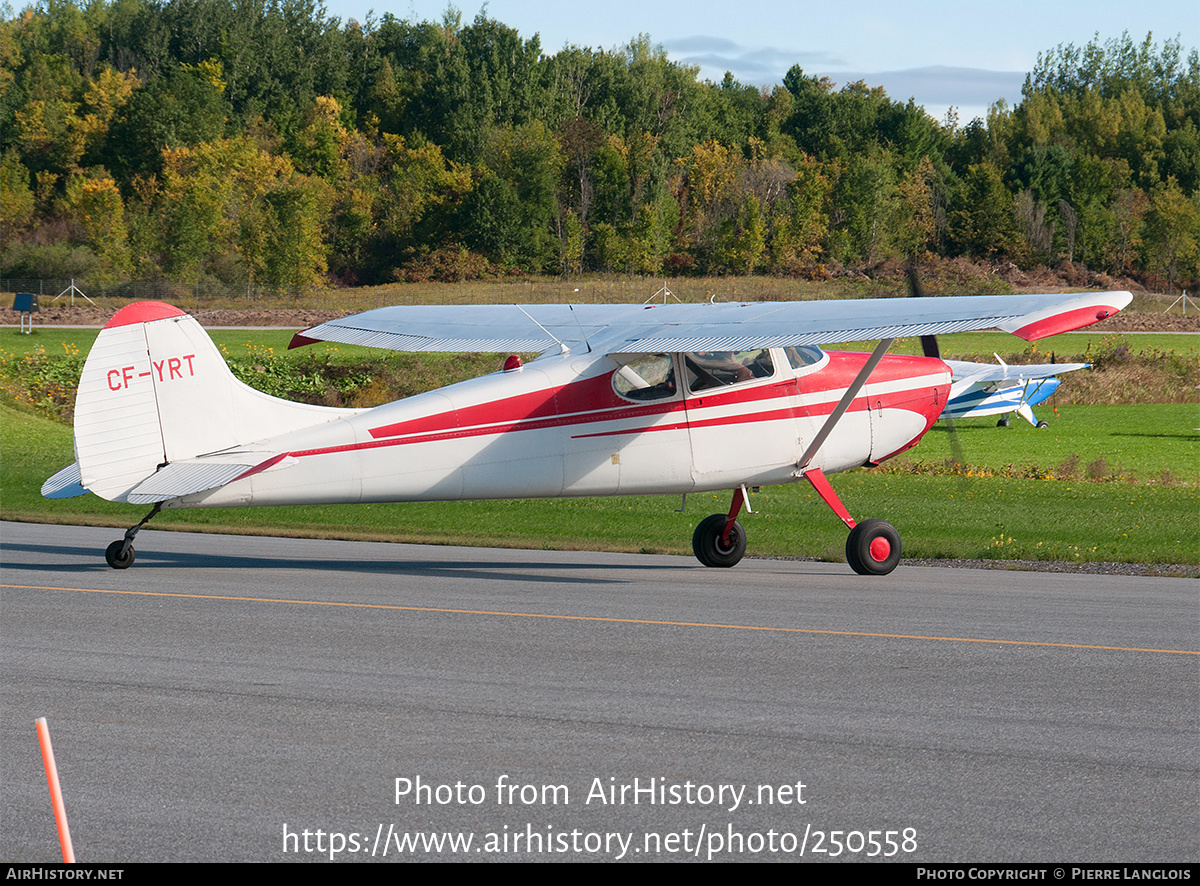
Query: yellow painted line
631	621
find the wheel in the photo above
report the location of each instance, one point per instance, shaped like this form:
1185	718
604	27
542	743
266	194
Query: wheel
1042	424
112	554
1002	423
707	544
873	547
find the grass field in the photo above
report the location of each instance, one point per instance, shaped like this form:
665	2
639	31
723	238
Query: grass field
1136	519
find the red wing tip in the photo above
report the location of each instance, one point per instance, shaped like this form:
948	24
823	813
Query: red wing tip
299	340
143	312
1065	322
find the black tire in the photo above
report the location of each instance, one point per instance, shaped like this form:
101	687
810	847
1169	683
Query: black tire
1002	423
873	547
707	544
1042	424
112	554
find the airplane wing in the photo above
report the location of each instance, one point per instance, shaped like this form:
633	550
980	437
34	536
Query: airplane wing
984	373
713	327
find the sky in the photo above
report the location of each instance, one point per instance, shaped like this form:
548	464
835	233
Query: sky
941	53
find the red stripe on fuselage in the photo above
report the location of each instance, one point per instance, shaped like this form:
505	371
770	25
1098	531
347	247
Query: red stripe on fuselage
593	399
491	419
587	396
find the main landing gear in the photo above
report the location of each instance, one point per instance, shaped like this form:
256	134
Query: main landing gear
720	540
1026	413
873	547
120	554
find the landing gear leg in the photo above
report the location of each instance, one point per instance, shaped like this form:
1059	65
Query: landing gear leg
873	547
870	558
120	554
720	540
1026	413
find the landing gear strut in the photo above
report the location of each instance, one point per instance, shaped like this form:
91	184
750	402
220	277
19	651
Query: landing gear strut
120	554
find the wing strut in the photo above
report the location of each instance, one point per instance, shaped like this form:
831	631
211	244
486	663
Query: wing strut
844	403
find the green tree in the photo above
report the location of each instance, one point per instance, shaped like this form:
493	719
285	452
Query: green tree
294	253
16	197
1171	233
983	224
515	204
94	209
179	111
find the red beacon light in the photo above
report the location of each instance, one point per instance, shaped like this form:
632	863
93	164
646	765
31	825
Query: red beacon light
512	363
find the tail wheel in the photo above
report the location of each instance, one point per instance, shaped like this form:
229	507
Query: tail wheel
873	547
710	549
118	556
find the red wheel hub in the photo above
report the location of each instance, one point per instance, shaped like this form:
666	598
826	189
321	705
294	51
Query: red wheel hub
880	549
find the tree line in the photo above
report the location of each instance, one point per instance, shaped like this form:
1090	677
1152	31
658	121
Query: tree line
267	143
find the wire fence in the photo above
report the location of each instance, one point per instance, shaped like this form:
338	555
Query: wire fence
74	290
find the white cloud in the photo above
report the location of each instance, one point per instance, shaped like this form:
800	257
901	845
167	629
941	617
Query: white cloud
935	87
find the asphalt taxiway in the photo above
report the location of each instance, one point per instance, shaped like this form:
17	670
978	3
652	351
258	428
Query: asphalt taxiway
228	691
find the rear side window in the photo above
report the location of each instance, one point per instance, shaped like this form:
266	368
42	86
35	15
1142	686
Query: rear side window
803	356
646	377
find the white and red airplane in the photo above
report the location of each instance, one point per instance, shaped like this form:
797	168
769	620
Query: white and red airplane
625	400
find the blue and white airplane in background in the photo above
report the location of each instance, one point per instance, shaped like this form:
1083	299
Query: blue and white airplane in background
983	389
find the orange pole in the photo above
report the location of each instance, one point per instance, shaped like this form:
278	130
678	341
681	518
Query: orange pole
56	800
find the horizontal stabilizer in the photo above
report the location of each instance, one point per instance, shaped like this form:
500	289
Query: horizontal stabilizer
193	475
65	484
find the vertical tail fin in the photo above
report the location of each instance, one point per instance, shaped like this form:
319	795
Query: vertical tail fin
155	390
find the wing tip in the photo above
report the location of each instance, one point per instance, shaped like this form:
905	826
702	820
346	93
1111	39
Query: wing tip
1102	306
300	340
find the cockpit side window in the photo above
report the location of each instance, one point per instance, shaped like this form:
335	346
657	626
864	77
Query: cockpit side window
715	369
646	377
805	355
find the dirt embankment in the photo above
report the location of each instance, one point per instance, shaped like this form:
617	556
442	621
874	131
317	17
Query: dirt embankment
86	315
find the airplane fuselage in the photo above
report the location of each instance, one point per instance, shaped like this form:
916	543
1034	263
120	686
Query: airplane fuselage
573	425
